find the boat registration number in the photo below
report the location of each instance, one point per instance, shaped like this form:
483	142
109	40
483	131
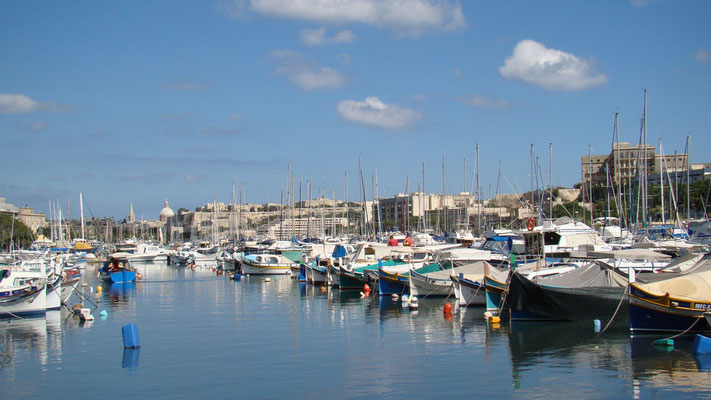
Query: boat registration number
701	306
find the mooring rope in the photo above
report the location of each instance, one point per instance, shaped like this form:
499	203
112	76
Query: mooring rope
616	311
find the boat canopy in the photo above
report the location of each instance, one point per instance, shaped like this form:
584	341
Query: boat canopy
595	274
693	286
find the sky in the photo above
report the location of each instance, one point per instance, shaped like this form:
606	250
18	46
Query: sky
135	102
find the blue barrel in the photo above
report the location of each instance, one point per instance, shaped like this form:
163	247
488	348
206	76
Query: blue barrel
130	336
702	345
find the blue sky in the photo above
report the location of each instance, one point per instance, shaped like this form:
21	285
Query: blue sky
135	102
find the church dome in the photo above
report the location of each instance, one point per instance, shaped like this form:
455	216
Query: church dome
166	212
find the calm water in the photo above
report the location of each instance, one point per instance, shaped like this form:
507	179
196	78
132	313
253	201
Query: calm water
207	336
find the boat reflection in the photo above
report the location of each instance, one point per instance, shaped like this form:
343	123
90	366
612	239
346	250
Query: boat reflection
121	293
676	366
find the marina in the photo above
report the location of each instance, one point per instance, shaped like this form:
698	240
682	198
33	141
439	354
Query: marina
355	199
204	335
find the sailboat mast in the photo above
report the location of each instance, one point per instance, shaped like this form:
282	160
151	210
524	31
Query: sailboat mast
645	171
81	214
550	180
688	181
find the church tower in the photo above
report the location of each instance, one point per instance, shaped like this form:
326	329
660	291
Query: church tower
131	215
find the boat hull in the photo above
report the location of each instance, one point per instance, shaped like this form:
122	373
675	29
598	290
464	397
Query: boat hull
120	276
265	269
651	313
34	303
530	301
423	286
389	284
469	293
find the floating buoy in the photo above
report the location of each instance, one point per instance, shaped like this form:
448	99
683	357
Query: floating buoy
488	314
363	295
237	277
596	325
139	276
130	336
494	320
218	272
701	345
91	289
85	315
448	308
83	284
322	289
99	289
366	288
267	279
395	296
405	298
412	303
103	313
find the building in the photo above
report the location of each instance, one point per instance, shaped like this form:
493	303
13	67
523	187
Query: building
624	161
34	221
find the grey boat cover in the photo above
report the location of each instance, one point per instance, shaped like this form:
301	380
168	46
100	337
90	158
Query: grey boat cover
594	274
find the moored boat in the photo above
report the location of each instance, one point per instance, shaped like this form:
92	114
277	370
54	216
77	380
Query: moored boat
267	264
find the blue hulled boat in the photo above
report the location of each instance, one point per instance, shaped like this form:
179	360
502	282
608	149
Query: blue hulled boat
117	269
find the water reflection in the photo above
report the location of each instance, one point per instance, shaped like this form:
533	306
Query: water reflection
130	358
670	367
121	293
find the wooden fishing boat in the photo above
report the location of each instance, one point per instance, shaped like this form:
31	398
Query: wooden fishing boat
117	269
676	304
22	293
267	264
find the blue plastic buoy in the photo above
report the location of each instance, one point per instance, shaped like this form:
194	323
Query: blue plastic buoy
597	325
237	277
103	313
702	345
130	336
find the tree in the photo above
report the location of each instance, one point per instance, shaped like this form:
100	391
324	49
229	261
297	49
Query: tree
21	234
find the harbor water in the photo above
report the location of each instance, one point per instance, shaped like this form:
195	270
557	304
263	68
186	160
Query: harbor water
207	336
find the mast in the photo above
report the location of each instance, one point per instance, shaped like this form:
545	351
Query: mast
688	181
645	172
550	180
661	176
81	215
478	192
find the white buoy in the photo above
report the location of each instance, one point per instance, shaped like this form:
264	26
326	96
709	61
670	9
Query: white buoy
395	296
405	298
267	279
85	315
413	304
487	315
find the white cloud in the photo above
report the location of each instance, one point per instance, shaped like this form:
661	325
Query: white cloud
482	101
372	111
304	73
550	69
17	104
318	37
13	103
407	17
343	58
703	56
193	178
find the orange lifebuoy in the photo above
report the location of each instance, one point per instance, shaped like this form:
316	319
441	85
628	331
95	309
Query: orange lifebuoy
530	224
